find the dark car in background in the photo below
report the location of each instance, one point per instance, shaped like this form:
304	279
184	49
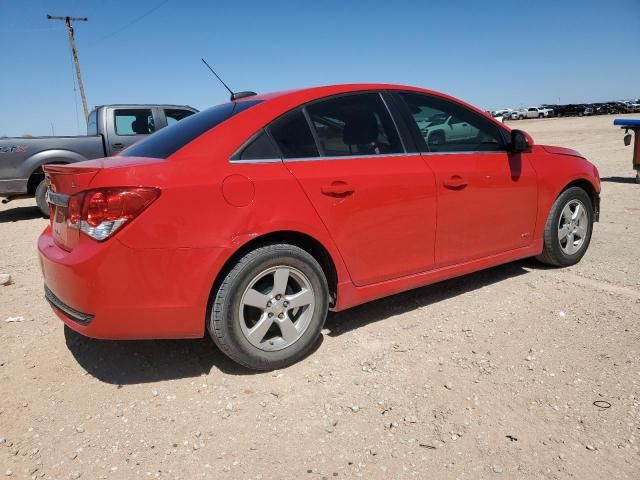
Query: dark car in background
570	110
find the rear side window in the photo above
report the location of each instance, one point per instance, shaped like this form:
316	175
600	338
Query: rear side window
294	137
169	140
174	115
134	122
358	124
449	127
260	147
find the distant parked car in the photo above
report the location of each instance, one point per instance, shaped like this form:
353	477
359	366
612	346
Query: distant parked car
632	106
614	107
501	113
110	129
537	112
514	115
570	110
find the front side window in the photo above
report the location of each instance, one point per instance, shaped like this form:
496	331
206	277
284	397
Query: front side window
174	115
449	127
134	122
357	124
294	137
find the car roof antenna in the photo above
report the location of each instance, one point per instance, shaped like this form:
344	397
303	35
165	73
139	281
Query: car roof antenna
234	96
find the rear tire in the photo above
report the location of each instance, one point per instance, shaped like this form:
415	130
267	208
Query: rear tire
252	320
568	230
41	198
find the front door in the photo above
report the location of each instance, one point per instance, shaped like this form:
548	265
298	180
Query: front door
487	197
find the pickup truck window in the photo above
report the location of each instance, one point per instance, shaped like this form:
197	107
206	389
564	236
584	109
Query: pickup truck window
174	115
92	124
134	122
171	139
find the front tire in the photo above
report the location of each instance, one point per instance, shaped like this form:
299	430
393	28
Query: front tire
41	198
270	307
567	233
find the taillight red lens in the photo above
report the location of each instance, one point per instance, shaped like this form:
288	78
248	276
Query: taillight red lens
96	206
75	208
102	211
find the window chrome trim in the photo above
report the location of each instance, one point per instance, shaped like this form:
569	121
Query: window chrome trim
58	199
386	155
350	157
370	157
475	152
257	160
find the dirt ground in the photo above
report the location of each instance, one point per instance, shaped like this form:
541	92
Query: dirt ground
492	375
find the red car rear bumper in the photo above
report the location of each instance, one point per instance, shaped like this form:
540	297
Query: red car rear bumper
110	291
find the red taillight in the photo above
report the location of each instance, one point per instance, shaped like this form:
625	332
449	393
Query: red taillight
101	212
75	208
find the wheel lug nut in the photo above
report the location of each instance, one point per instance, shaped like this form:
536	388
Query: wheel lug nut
286	304
268	304
270	315
277	297
281	315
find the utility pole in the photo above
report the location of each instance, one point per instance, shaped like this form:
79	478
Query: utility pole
69	21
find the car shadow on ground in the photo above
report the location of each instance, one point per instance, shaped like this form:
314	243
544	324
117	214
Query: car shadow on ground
352	319
20	213
144	361
618	179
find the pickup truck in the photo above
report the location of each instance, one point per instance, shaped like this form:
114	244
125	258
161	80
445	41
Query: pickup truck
110	129
537	112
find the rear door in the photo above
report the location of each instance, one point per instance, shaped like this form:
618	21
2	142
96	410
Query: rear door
377	201
487	197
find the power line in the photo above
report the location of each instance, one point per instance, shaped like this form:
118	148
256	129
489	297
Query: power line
133	22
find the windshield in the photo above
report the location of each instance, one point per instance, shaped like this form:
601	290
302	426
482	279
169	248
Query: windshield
167	141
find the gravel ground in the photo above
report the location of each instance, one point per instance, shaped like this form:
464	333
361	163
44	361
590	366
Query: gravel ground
492	375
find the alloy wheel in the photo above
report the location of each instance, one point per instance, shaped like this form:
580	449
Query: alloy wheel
276	308
573	227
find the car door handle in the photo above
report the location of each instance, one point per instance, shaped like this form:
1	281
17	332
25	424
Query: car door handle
338	189
117	146
456	182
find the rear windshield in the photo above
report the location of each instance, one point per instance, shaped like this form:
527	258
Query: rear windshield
169	140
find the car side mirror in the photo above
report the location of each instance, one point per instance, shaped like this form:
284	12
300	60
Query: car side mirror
520	141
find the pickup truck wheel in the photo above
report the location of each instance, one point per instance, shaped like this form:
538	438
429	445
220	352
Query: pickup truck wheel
270	307
567	232
541	115
436	138
41	198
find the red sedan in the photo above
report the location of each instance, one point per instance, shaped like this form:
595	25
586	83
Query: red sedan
252	219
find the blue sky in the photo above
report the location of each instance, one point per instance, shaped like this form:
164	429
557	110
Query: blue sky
492	53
